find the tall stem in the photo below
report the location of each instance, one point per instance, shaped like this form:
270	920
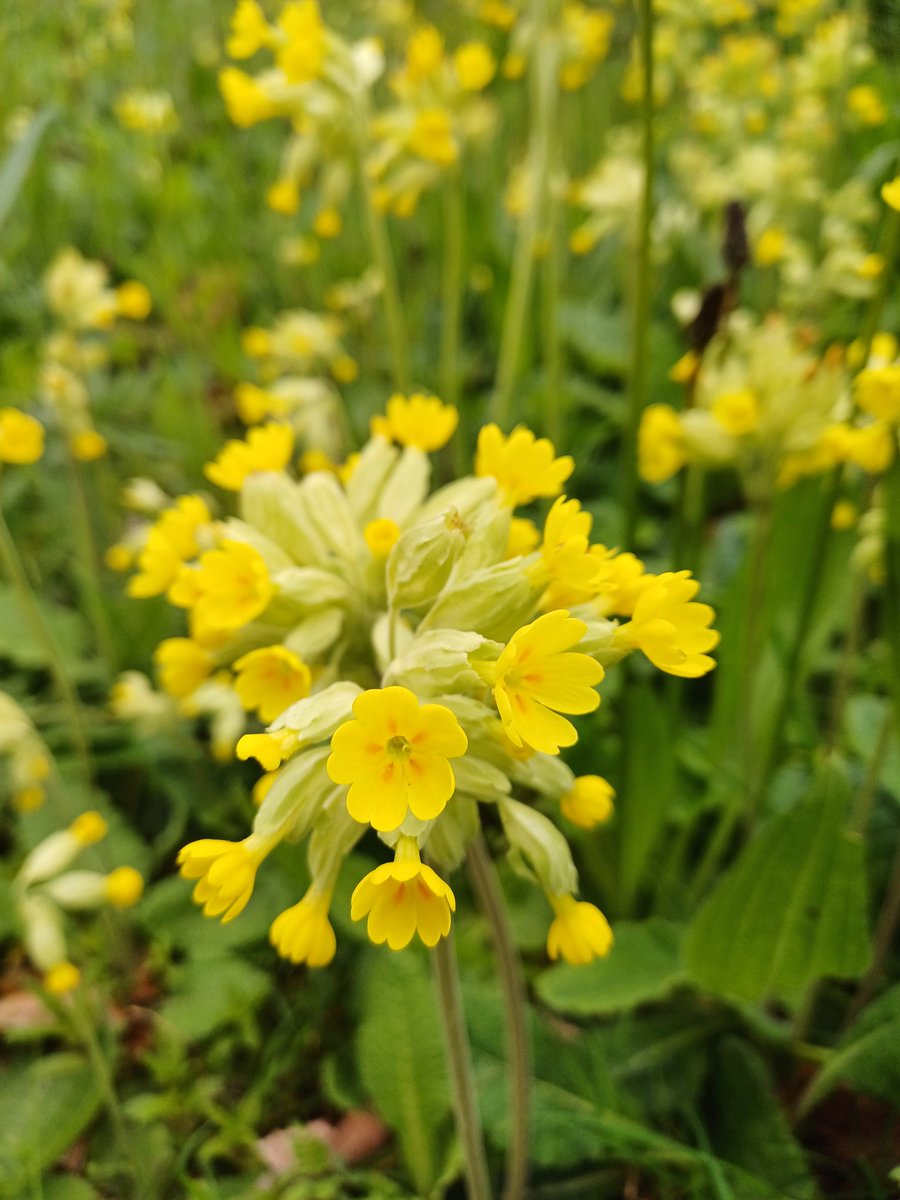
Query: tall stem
462	1072
637	373
551	280
512	983
451	288
91	587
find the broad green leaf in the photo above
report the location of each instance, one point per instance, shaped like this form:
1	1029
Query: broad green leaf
644	964
19	644
792	908
747	1127
209	993
45	1105
400	1050
15	165
864	719
867	1056
67	1187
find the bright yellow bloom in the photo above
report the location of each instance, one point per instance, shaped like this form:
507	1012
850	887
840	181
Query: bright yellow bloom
890	193
88	828
133	300
123	887
844	515
660	443
268	448
269	749
317	460
620	582
475	66
865	102
525	467
21	437
327	223
589	802
870	448
685	369
670	628
417	420
579	933
431	137
182	665
302	55
737	412
245	100
284	197
394	754
88	445
424	54
170	542
118	557
871	266
380	535
229	588
249	30
878	392
537	677
303	933
62	979
270	680
254	403
226	872
770	247
256	342
403	898
523	537
566	562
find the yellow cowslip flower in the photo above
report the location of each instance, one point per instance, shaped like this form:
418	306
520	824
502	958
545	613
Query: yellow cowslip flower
345	369
565	564
302	54
229	587
403	898
261	788
303	933
182	665
21	437
245	99
317	460
123	887
770	247
270	680
88	828
170	543
250	31
619	583
327	223
670	628
844	515
133	300
737	412
284	197
499	13
269	749
870	266
537	677
431	137
878	392
685	369
118	557
871	448
866	104
88	445
424	54
418	420
660	444
525	467
62	979
579	933
588	802
381	535
475	66
256	342
523	537
226	872
395	755
254	403
268	448
890	193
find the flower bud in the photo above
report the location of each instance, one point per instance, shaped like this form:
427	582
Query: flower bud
450	836
296	797
494	602
420	563
317	717
77	890
44	937
365	485
406	486
480	779
437	662
334	835
62	978
272	501
544	773
55	852
316	633
537	848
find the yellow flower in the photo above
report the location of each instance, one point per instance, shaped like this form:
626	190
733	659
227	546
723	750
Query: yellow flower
284	197
123	887
871	266
303	932
118	557
62	979
270	680
844	515
878	392
249	30
685	369
229	588
256	342
403	898
737	412
536	678
566	562
579	933
88	828
417	420
890	193
660	443
670	628
589	802
865	102
431	137
524	467
621	580
870	448
88	445
523	537
380	535
475	66
182	665
394	754
170	542
245	100
21	437
327	223
317	460
770	246
268	448
226	872
424	53
302	55
133	300
269	749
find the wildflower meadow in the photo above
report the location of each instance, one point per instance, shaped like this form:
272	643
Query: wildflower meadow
450	600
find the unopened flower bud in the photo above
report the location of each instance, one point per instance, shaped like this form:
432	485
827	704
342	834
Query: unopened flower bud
538	848
420	563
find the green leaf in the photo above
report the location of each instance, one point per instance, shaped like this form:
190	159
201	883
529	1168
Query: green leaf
67	1187
747	1127
400	1050
19	644
45	1105
644	964
15	165
209	993
864	719
791	910
867	1056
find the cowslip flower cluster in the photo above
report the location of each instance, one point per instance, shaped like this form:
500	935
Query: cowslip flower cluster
45	889
27	757
86	307
407	658
580	36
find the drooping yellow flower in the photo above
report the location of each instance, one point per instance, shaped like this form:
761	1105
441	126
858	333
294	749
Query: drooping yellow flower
88	445
670	628
878	392
866	104
226	872
170	542
403	898
270	680
844	515
302	54
380	535
770	246
660	443
245	99
123	887
303	933
424	54
268	448
890	193
589	801
579	933
566	563
620	581
328	224
394	755
229	587
525	467
284	197
537	677
432	138
182	665
249	30
475	66
62	979
417	420
269	749
21	437
737	412
523	537
133	300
